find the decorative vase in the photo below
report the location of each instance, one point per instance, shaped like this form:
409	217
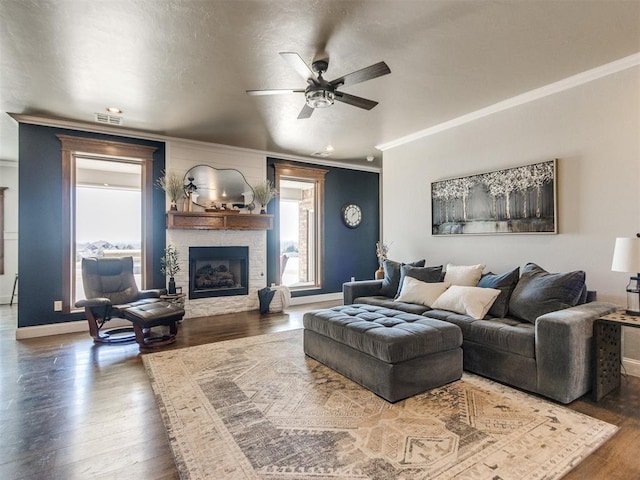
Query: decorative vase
174	206
263	210
172	286
379	275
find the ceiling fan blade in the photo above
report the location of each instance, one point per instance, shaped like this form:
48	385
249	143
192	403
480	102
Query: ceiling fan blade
368	73
305	112
355	101
273	92
295	61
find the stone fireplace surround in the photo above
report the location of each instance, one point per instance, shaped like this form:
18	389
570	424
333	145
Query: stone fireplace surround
256	240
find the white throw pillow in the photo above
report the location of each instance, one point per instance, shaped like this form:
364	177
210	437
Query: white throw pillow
415	291
472	301
465	275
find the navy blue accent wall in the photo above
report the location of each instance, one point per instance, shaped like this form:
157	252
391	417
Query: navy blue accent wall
40	246
348	252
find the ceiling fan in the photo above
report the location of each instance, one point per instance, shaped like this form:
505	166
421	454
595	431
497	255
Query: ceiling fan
320	93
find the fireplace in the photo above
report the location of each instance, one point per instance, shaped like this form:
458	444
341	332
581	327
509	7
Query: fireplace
218	271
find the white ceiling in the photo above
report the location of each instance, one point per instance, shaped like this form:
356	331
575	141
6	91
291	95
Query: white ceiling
181	67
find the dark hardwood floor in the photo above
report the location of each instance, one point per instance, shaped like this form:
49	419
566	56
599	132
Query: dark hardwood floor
70	409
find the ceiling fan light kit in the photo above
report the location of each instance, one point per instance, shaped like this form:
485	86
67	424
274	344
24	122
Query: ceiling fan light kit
317	97
320	93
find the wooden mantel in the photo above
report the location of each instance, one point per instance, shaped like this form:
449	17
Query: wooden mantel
218	221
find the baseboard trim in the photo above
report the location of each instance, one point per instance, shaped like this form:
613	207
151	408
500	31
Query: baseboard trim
325	297
62	328
632	366
82	326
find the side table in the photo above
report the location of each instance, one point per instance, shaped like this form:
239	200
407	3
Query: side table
607	334
177	299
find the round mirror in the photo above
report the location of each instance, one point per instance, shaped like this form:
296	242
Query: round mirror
211	186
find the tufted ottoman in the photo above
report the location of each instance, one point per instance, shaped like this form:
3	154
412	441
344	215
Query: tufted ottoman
392	353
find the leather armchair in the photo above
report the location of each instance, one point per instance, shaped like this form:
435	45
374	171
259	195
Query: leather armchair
111	289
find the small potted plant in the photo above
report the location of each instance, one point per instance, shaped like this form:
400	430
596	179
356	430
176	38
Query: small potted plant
263	193
169	266
171	183
382	250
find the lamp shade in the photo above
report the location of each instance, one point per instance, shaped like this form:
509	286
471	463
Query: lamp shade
626	255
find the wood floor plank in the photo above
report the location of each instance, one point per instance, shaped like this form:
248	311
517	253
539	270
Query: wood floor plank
70	409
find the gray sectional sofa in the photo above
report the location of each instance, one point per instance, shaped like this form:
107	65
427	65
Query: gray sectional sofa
536	335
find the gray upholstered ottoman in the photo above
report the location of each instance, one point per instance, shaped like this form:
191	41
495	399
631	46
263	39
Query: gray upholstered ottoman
392	353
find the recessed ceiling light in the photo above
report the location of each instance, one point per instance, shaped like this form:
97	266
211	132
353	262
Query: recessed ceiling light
329	148
114	110
370	158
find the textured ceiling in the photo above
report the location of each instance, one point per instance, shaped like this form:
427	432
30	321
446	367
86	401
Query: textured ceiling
181	68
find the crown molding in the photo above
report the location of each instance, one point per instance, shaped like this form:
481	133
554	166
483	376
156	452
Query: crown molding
536	94
47	121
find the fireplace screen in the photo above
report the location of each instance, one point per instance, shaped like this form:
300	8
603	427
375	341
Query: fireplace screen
218	271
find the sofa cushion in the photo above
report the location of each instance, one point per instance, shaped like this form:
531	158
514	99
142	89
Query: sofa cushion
465	275
539	292
424	274
505	334
505	282
391	280
380	301
415	291
472	301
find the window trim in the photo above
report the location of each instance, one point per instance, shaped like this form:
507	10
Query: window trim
317	175
80	146
2	189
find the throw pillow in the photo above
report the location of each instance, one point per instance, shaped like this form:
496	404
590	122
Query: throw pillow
539	292
472	301
424	274
423	293
391	280
464	275
505	283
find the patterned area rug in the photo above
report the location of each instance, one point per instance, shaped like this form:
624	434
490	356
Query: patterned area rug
259	408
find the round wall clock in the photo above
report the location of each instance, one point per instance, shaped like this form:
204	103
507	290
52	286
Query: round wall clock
351	215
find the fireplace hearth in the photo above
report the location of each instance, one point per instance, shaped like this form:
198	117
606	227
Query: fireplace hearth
218	271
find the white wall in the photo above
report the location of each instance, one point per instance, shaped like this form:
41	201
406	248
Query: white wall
9	178
594	131
183	155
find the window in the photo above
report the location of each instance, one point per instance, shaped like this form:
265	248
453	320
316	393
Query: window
301	205
108	192
126	169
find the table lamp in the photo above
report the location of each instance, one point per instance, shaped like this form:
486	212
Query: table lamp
626	258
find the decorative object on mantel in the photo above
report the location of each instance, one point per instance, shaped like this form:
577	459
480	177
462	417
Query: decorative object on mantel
382	250
263	193
171	183
626	258
169	266
191	189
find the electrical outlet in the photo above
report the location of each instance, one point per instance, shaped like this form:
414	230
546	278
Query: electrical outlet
57	306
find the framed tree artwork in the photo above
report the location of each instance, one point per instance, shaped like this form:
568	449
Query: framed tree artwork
514	200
